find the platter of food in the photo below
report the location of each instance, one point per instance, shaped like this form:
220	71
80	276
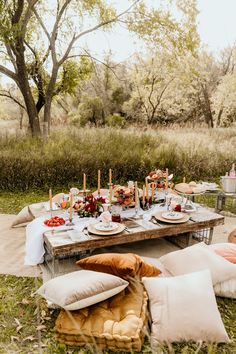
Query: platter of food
54	222
191	188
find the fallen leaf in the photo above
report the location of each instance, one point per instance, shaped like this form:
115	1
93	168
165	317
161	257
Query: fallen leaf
17	321
18	328
43	313
14	338
41	328
31	338
43	345
35	311
25	302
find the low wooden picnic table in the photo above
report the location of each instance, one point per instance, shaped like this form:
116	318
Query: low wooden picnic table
58	245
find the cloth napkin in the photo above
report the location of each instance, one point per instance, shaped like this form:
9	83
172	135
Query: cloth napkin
34	245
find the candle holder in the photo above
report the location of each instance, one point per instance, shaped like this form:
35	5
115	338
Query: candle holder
136	216
145	204
70	223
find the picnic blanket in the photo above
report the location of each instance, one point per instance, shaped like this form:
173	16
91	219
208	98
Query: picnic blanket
118	323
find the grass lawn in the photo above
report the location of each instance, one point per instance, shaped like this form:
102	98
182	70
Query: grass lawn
26	324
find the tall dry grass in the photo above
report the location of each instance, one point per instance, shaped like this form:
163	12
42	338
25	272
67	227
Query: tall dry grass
131	153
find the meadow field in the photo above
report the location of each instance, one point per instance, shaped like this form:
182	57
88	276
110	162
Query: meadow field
197	154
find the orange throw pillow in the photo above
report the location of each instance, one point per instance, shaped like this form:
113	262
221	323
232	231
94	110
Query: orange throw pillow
120	264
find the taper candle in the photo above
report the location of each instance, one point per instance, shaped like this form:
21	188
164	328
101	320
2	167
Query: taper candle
50	199
167	182
136	195
143	194
110	176
110	193
71	206
153	191
84	183
147	192
99	181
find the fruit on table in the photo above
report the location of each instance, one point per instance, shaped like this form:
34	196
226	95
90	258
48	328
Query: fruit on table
177	207
55	221
65	204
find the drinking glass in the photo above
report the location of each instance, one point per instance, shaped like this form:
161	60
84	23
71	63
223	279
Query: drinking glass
116	213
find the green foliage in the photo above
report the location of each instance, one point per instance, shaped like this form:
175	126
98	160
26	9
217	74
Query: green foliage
73	72
61	161
115	120
91	111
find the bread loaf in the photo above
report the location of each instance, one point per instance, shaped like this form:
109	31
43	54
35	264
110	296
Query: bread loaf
183	188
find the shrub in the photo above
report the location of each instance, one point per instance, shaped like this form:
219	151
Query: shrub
115	120
61	161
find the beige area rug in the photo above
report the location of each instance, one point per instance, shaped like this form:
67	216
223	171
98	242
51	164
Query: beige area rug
13	240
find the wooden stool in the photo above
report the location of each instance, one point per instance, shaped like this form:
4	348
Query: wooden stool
232	236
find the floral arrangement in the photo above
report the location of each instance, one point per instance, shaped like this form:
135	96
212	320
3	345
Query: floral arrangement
159	177
124	195
90	206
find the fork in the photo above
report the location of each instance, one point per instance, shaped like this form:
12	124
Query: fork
126	229
154	221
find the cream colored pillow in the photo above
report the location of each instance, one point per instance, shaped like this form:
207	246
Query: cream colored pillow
30	212
226	288
184	308
196	258
23	217
76	290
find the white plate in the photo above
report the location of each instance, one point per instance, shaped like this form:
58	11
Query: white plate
191	209
172	215
106	227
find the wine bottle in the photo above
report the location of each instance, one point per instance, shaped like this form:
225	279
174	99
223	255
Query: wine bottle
232	172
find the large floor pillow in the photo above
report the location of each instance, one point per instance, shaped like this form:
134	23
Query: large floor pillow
118	323
32	211
199	257
184	308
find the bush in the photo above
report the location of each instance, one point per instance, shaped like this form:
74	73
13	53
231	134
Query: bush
115	120
61	161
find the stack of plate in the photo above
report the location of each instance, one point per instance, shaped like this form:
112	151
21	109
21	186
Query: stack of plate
104	229
172	217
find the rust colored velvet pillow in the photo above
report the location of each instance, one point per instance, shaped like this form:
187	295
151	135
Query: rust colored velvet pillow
120	264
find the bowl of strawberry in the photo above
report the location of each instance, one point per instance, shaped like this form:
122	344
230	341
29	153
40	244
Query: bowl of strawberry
55	221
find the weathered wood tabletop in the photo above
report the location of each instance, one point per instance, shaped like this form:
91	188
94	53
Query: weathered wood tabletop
60	243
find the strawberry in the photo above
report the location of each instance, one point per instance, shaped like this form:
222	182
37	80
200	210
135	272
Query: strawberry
55	221
178	207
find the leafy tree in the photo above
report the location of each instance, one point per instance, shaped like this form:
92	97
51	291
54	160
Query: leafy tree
38	42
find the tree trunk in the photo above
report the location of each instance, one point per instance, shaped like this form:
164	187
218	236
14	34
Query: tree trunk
219	117
24	86
48	98
207	109
21	117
